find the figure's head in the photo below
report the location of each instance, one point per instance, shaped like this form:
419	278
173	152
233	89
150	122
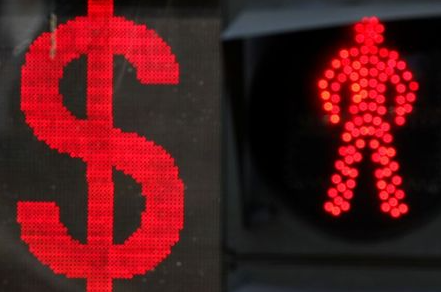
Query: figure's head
369	31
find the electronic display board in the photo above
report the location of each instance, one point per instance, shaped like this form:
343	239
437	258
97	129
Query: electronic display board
109	147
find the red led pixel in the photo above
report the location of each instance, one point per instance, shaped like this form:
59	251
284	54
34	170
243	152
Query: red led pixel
100	36
368	68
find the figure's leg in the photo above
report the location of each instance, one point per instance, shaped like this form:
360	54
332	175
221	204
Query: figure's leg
388	181
343	181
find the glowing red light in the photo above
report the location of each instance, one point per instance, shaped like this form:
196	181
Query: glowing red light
364	51
341	187
345	206
401	65
413	86
387	172
403	208
399	194
373	83
373	60
336	211
400	121
332	192
354	52
391	152
391	189
356	65
395	79
389	71
364	71
360	143
382	76
381	184
342	78
393	55
377	120
329	74
347	70
395	213
393	202
338	200
380	99
335	86
336	178
335	109
410	97
383	195
373	50
346	137
364	82
385	127
325	95
336	64
392	63
353	109
339	165
401	88
400	99
394	166
381	110
349	160
384	53
374	143
378	173
100	36
358	121
351	183
349	126
397	180
354	76
344	53
367	68
335	119
353	173
376	157
385	207
407	75
373	72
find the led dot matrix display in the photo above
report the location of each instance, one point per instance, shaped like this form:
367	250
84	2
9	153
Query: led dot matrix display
100	36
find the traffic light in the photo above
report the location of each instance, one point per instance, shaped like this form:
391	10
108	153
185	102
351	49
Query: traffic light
332	170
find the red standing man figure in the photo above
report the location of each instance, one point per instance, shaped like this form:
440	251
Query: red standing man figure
368	70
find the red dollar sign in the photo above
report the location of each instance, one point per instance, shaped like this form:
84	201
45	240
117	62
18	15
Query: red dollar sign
368	69
100	36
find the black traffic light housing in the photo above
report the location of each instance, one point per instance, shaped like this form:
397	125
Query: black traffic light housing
279	154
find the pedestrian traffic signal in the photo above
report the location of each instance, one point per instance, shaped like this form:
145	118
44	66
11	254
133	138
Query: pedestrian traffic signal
335	149
367	68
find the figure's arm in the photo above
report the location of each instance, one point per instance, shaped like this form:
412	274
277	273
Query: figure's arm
405	88
330	87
